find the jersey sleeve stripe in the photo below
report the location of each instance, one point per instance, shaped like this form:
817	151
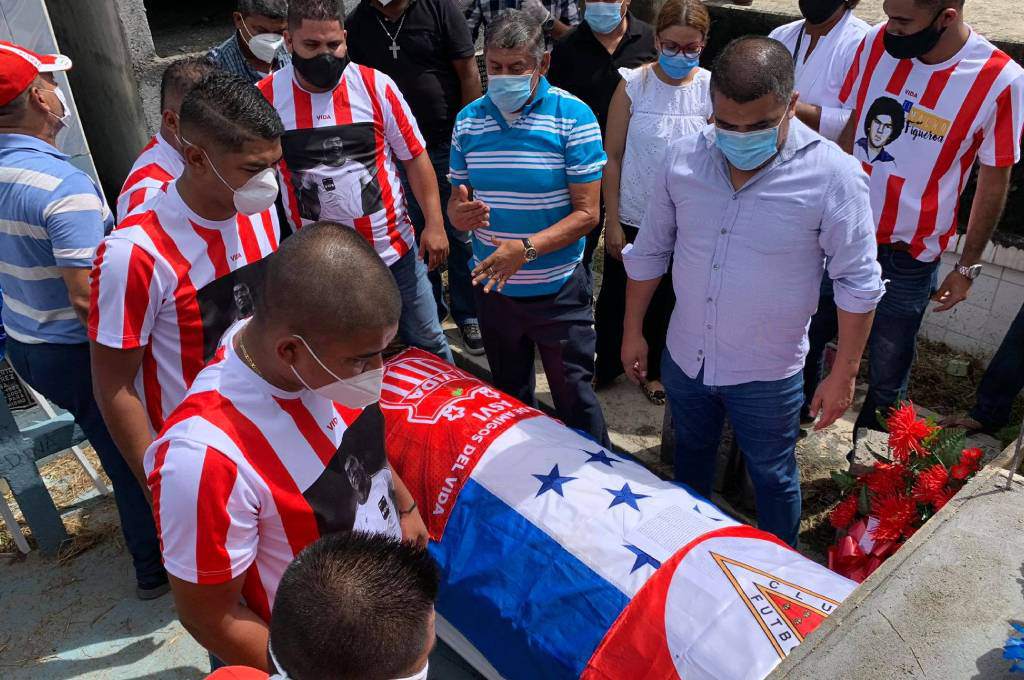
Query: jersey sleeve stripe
94	289
215	249
936	85
408	130
151	389
154	481
137	296
147	172
851	76
966	163
247	235
308	428
213	564
266	86
342	104
378	126
1005	135
890	208
958	131
255	593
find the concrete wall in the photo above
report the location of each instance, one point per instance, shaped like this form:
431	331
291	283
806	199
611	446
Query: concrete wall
110	45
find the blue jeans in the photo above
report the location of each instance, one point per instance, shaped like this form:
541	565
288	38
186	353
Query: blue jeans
892	345
1003	379
61	374
766	419
460	283
418	325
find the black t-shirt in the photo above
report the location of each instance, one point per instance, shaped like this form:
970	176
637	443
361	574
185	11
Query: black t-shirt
581	64
430	35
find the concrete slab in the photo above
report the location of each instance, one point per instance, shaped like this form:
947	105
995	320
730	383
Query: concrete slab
940	608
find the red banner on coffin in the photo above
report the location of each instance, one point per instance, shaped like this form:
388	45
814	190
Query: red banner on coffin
439	421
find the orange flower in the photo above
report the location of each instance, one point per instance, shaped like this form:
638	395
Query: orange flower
907	431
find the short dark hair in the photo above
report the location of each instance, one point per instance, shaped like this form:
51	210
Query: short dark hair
272	9
314	10
886	106
181	76
751	67
354	606
226	111
326	281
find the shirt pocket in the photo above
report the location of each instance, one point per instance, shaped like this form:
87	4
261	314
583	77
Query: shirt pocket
781	226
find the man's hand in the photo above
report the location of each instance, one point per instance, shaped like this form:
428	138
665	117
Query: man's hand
953	291
467	215
433	246
833	396
634	357
501	265
413	529
614	239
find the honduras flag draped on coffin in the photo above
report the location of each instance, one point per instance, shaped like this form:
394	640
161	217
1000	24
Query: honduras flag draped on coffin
561	559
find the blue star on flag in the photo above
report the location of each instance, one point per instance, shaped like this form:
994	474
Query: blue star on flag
552	481
600	457
642	558
626	496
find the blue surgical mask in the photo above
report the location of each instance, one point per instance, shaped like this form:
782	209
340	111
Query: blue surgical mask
677	66
748	150
510	93
603	17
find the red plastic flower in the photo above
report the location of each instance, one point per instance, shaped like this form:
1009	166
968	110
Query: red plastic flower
895	515
961	471
907	431
942	499
972	459
844	513
931	484
887	479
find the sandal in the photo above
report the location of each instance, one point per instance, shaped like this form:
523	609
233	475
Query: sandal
656	397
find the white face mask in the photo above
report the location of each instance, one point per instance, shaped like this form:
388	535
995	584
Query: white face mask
356	392
253	197
264	46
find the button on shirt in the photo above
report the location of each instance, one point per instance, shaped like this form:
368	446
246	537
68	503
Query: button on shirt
430	35
52	216
582	65
748	263
522	171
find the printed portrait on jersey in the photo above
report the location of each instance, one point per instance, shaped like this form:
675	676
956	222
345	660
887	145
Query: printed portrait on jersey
334	171
883	125
228	299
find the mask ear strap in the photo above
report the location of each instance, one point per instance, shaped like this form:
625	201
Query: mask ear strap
315	357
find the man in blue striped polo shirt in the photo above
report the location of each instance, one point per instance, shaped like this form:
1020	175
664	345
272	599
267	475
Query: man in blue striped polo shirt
532	157
52	217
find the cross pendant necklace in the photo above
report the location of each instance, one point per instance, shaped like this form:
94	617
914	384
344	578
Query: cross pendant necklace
394	38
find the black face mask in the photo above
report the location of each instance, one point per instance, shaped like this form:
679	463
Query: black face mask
323	70
819	11
914	45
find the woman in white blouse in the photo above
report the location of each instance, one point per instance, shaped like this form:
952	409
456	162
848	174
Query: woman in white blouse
654	105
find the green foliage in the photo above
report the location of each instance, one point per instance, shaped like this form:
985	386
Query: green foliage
844	480
948	446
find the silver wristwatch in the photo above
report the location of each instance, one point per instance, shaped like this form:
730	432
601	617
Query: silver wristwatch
531	252
971	273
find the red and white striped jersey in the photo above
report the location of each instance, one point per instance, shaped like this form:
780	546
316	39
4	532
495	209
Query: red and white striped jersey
339	155
245	475
920	128
158	164
172	282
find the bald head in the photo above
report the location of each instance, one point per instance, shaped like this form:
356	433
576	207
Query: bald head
751	67
327	281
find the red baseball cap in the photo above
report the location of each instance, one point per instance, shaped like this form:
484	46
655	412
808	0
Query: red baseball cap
19	66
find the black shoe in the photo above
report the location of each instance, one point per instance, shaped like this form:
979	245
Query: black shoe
471	339
152	592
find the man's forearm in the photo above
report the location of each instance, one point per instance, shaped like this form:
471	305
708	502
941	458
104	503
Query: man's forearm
565	232
986	211
854	329
240	639
809	115
424	187
471	88
128	424
638	299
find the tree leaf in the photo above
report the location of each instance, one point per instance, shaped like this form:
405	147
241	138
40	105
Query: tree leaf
864	502
844	480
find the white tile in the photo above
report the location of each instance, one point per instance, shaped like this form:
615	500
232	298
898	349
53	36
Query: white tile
964	343
938	321
966	319
1009	257
1008	300
933	332
1013	275
983	291
993	332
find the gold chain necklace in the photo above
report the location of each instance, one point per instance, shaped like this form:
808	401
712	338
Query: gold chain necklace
246	358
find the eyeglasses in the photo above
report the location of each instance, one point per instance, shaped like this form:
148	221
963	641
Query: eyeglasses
691	51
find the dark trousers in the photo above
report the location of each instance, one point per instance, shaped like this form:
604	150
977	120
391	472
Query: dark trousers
892	345
611	308
1003	379
460	283
561	328
766	419
61	374
823	330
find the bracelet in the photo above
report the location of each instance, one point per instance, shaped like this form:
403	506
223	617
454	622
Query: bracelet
403	513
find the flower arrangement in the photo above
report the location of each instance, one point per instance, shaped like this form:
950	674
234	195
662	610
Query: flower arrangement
883	507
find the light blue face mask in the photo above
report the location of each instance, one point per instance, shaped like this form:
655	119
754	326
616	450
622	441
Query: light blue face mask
748	150
510	93
677	66
603	17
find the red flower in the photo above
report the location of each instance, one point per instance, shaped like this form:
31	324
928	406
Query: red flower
907	431
930	485
895	515
942	499
844	513
887	479
961	471
971	459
